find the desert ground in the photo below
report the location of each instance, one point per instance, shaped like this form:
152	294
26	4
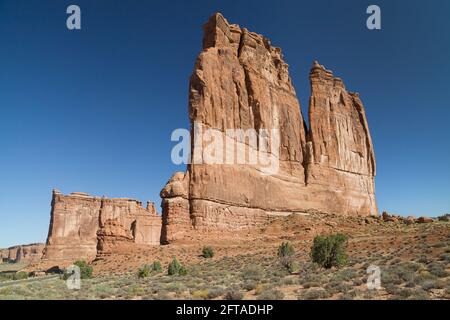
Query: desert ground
414	259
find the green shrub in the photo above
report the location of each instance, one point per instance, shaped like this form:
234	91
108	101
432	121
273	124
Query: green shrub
174	267
144	272
285	250
182	271
20	275
6	277
293	267
85	269
156	266
285	255
329	251
207	252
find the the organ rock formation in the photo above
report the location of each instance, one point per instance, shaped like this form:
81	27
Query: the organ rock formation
240	81
83	226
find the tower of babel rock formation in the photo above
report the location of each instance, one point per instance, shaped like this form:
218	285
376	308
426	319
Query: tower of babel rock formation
82	226
240	81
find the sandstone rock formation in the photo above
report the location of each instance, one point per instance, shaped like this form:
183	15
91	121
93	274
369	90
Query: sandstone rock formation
424	220
28	253
240	81
3	255
82	226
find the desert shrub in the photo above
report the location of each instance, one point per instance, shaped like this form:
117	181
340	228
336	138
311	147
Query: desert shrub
271	295
437	269
253	272
234	294
422	259
338	287
144	272
215	292
346	275
162	295
313	294
200	294
293	267
207	252
182	271
403	293
285	254
347	296
390	277
285	250
174	267
156	266
418	294
249	285
445	257
287	281
311	284
176	287
85	269
424	276
432	284
6	276
20	275
405	273
329	251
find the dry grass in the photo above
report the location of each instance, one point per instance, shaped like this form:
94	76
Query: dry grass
414	262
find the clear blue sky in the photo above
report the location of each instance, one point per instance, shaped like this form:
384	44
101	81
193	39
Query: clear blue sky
93	110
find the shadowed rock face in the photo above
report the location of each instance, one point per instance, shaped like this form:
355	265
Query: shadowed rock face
82	226
240	81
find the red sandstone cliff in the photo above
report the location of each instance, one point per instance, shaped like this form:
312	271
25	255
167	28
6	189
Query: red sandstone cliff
241	81
82	226
27	253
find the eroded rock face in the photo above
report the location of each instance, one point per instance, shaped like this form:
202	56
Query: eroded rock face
82	226
341	158
3	255
28	253
240	81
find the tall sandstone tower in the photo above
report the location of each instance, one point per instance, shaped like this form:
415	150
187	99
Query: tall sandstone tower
240	81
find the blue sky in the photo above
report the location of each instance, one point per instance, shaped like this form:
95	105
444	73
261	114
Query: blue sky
93	110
